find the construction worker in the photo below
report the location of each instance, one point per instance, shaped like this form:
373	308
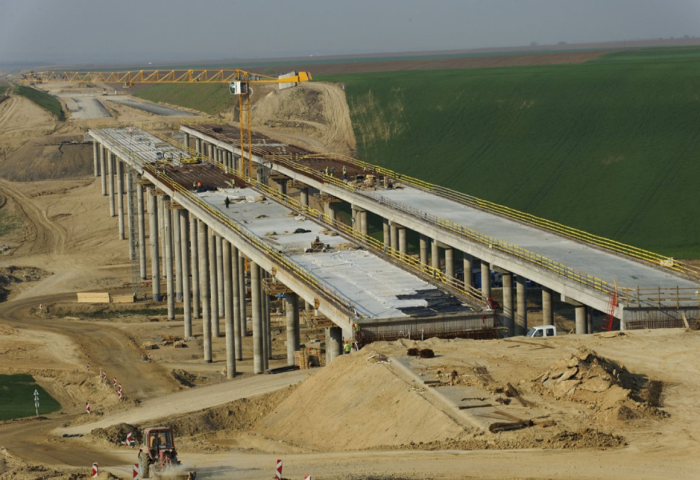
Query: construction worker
345	173
326	170
227	202
348	347
194	186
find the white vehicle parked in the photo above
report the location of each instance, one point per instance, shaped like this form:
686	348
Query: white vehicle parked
542	331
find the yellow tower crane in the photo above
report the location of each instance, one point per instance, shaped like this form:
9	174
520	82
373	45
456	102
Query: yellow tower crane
239	84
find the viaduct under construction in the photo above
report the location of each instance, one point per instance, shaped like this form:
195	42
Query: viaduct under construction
225	224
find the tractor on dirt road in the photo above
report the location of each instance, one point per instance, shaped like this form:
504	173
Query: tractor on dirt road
158	457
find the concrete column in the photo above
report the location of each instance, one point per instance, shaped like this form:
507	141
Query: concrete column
434	254
186	140
335	346
220	274
468	266
268	333
213	288
282	186
242	289
332	212
424	250
130	212
103	169
521	316
202	242
508	317
308	311
364	226
198	145
486	279
386	230
228	311
236	303
589	320
142	230
292	307
355	220
180	281
257	318
580	311
304	196
394	236
450	263
120	198
110	183
153	238
547	312
402	240
265	315
95	157
194	261
168	257
183	220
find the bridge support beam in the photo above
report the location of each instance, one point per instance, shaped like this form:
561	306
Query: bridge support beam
103	169
242	293
204	263
168	256
128	178
95	158
153	238
236	302
141	217
386	232
547	312
255	284
293	336
110	183
486	280
402	239
194	259
177	248
334	342
186	140
508	311
184	253
304	196
213	297
424	249
228	311
450	262
580	315
434	254
468	266
521	318
394	236
220	260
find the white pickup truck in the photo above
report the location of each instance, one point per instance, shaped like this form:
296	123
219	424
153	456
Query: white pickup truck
542	331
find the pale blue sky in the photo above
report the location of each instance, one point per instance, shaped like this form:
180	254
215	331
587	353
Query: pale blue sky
84	31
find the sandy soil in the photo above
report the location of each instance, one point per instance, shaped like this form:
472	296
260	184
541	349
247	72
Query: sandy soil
595	406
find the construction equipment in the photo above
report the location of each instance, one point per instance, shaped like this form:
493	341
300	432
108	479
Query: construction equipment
239	82
158	457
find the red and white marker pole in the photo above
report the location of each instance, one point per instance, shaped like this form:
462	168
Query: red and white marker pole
135	471
94	470
87	409
119	394
114	383
128	440
278	472
308	477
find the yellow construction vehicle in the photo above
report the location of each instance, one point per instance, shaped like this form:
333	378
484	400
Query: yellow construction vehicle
239	82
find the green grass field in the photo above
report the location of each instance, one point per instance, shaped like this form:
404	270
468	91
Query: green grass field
209	98
2	90
609	146
17	397
43	99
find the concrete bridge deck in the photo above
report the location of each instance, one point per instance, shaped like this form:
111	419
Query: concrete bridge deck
583	272
363	287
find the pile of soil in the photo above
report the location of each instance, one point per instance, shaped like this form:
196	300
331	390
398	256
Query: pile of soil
17	469
603	384
116	434
11	275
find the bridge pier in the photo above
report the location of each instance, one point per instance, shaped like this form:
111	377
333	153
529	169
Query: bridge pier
258	354
547	312
580	315
334	343
293	334
110	183
153	238
186	140
242	293
521	318
213	298
103	170
402	238
129	179
508	311
424	249
486	280
394	236
386	232
184	253
434	254
204	278
228	311
236	301
141	217
467	266
450	262
194	261
120	198
304	196
168	257
96	158
198	146
220	260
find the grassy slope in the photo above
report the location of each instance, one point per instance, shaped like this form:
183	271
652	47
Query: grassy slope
17	397
2	90
43	99
209	98
610	146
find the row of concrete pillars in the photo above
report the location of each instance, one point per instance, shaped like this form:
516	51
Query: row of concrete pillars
201	269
